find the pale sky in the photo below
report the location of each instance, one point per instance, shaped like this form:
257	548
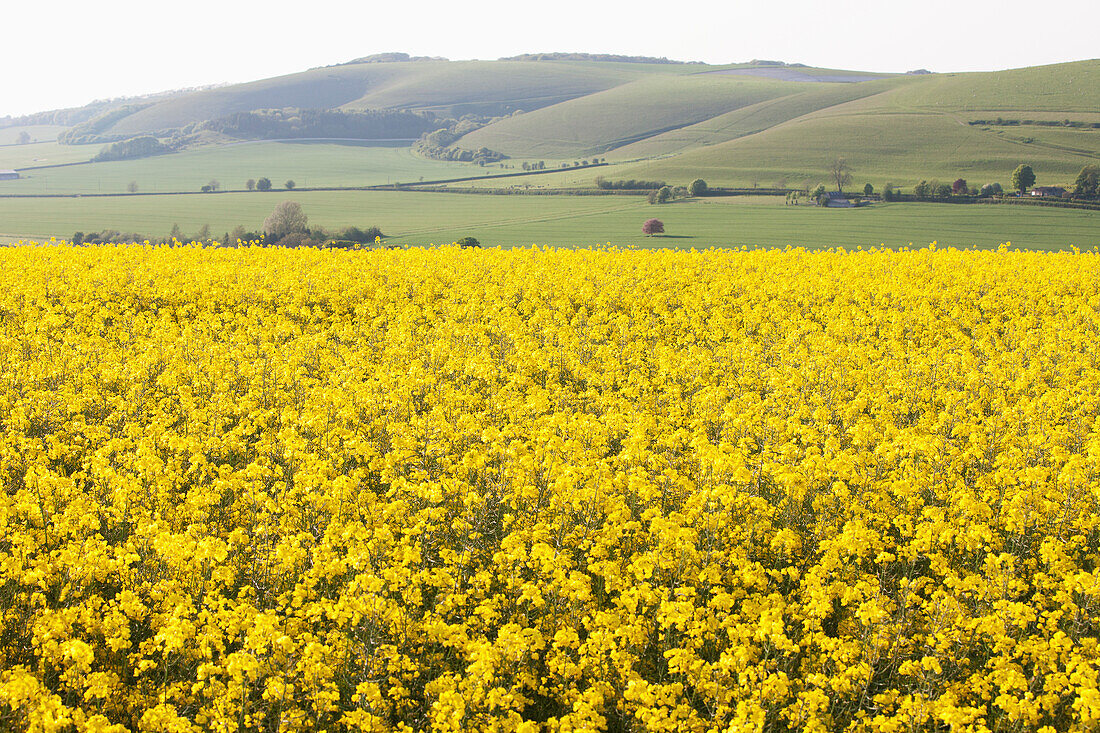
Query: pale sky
65	54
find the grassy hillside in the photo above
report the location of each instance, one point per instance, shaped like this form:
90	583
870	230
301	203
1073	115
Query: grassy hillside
480	87
911	130
500	87
1072	89
639	110
880	148
799	100
582	221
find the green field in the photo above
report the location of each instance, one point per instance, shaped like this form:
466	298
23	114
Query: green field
307	164
44	154
37	133
881	148
410	218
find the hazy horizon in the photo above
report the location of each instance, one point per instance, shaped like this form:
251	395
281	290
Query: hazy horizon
218	43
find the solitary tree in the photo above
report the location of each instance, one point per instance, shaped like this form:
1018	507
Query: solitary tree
290	185
264	184
132	187
1023	177
250	184
841	173
287	217
653	226
24	137
698	187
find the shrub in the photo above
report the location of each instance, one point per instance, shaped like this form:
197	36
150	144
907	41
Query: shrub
287	217
360	236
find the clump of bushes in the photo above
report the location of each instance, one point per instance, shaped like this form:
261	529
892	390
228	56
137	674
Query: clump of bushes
109	236
628	185
135	147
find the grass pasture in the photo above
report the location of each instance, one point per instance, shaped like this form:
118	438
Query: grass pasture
34	155
38	133
309	164
1070	87
414	219
600	122
881	147
752	118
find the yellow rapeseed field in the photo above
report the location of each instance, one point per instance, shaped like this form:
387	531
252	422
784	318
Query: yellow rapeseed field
544	490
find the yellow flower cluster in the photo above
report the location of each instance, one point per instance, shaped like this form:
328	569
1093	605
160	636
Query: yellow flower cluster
543	490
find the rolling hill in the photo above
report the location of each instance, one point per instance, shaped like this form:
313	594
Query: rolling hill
740	124
443	87
903	130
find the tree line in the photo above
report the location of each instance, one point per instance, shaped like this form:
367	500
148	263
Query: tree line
286	226
292	122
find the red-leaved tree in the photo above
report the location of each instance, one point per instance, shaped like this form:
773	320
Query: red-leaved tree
959	186
653	226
